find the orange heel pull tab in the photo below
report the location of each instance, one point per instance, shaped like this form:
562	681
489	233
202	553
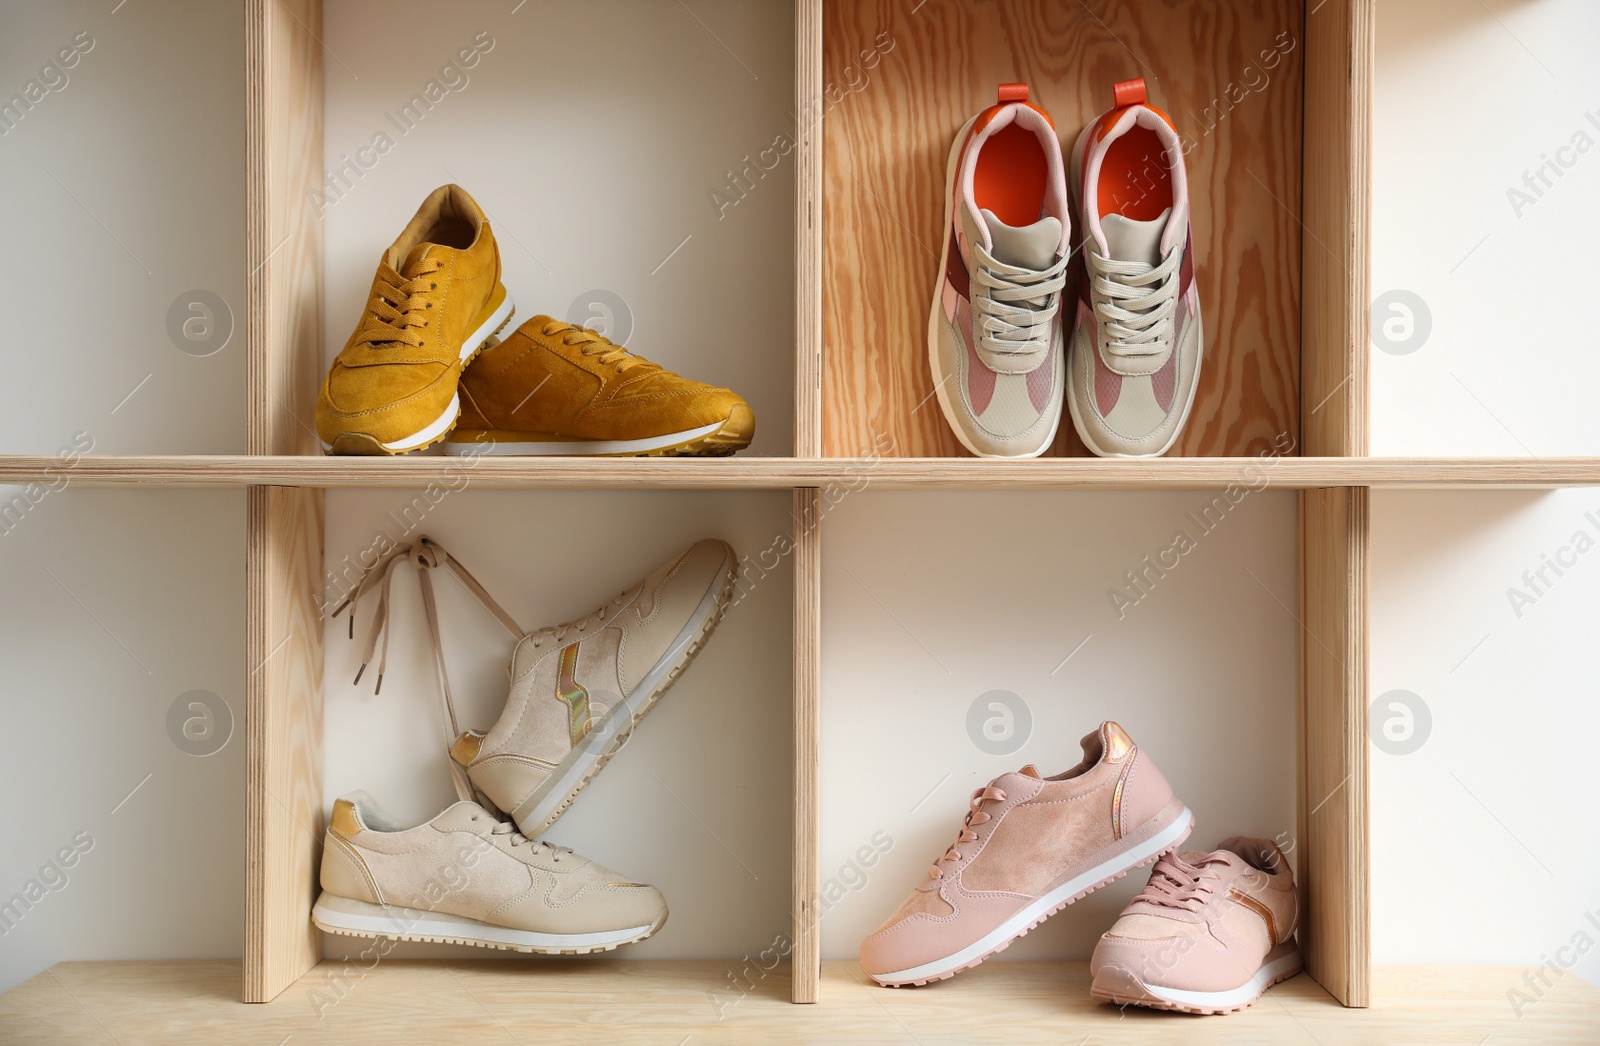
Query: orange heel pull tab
1128	92
1017	93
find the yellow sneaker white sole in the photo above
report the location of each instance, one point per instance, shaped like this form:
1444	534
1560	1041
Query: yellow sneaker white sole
717	439
353	918
497	312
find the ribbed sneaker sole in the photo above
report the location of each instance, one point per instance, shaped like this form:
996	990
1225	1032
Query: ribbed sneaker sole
348	917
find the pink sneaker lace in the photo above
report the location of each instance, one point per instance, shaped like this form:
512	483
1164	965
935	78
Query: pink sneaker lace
1176	883
975	816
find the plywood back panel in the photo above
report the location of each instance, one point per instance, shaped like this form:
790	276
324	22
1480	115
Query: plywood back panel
1230	75
1332	837
1338	217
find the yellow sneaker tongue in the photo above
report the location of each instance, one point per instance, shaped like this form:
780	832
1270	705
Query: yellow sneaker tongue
414	260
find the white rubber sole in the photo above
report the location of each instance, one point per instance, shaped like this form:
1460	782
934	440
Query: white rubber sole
583	447
1075	193
936	320
1243	995
353	918
536	813
442	424
1120	985
1042	906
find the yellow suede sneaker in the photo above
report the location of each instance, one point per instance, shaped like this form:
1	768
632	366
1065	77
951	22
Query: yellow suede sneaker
552	388
436	299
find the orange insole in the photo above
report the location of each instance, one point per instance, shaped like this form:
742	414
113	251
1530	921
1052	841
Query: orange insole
1011	176
1135	179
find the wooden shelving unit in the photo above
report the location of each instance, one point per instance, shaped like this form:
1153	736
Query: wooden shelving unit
1285	190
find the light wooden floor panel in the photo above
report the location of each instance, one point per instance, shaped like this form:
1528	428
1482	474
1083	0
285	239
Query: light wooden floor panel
692	1003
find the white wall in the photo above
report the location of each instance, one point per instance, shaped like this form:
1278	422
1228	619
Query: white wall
1469	98
1484	820
1495	813
123	191
931	601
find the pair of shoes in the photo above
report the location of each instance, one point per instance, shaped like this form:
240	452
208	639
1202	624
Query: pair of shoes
995	331
477	873
1208	934
423	364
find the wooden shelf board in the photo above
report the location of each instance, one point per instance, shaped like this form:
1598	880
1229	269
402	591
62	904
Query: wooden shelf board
783	473
629	1001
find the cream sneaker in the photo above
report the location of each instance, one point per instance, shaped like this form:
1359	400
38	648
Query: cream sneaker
578	689
466	877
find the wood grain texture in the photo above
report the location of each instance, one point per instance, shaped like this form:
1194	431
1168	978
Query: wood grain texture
1333	828
283	723
807	956
283	567
283	235
1338	226
809	103
888	135
416	473
633	1003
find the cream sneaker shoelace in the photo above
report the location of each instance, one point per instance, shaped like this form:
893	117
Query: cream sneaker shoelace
426	555
1014	314
1136	304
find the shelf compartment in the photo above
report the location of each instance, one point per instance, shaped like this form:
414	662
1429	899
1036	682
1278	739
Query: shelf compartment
1279	229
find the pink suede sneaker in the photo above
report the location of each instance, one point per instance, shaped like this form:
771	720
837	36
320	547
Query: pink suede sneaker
1027	848
1209	934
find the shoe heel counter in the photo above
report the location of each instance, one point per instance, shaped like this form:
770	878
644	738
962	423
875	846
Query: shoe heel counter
1142	791
345	873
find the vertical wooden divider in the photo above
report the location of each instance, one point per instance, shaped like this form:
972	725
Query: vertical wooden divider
1334	523
806	960
283	567
807	956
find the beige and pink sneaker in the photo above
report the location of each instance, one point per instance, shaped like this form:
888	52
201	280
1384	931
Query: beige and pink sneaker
1209	934
1027	848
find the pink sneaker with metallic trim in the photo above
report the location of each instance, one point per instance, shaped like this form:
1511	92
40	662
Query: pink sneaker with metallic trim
1027	848
1209	934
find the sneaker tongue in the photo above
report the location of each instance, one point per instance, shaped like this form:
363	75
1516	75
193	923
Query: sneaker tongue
1032	248
414	260
1029	771
1131	241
